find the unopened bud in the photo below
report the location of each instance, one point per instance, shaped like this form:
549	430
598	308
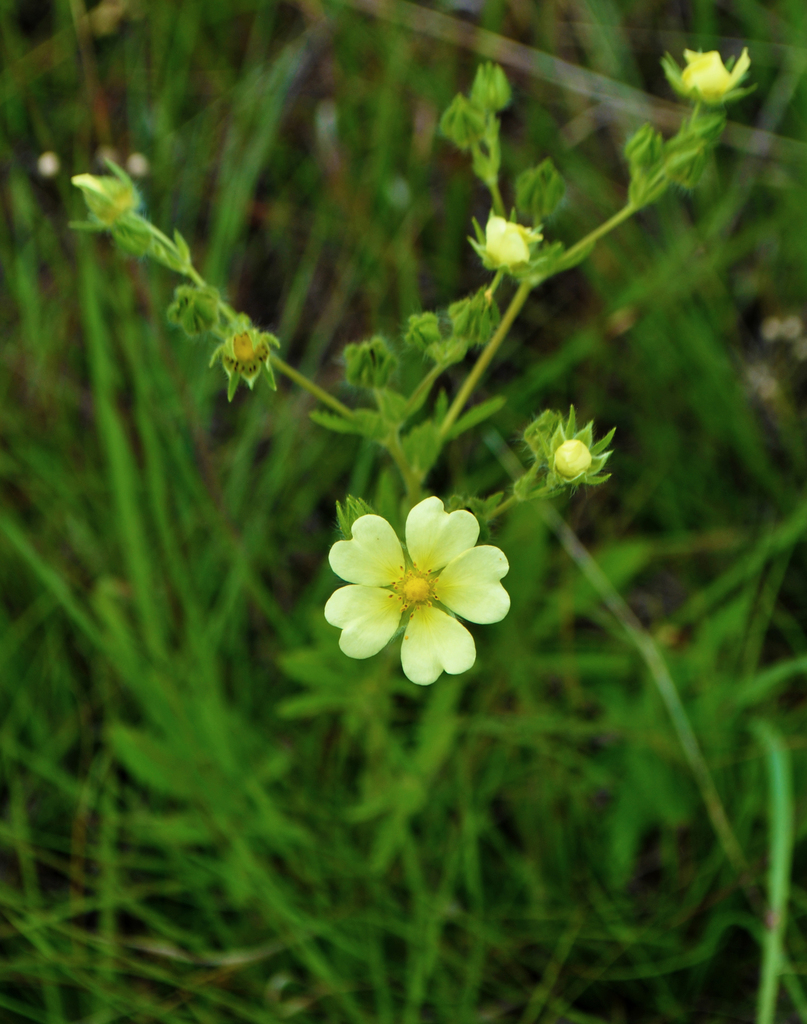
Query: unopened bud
132	234
463	122
369	364
195	310
571	459
643	148
491	90
475	318
539	190
108	197
422	330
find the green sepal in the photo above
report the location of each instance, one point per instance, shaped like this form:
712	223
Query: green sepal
182	247
463	122
491	90
347	514
270	375
369	364
475	317
232	384
539	190
422	331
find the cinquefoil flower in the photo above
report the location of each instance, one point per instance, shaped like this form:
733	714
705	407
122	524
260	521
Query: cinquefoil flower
440	570
706	77
507	243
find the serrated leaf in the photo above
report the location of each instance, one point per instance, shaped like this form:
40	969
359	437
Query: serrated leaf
364	422
476	415
422	445
391	404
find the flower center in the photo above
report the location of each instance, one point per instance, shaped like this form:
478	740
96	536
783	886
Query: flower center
243	348
416	590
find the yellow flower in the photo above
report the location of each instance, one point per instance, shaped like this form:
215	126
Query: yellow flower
107	197
506	243
706	76
442	568
571	459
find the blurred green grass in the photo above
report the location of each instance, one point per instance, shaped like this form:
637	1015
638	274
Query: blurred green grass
208	813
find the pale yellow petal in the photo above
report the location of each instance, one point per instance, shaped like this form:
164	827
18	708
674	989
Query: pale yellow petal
434	536
469	585
505	242
367	616
435	643
373	557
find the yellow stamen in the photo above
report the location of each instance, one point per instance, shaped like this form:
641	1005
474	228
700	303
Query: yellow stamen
416	590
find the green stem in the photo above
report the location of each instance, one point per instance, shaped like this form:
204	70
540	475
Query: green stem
503	507
498	202
514	309
420	393
485	357
411	479
310	386
597	233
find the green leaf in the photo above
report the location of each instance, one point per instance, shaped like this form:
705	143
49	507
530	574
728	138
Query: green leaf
153	764
476	415
391	405
422	445
365	423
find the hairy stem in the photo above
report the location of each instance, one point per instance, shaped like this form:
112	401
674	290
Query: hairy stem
411	478
310	386
488	352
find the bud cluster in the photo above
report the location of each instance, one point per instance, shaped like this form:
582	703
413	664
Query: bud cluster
471	122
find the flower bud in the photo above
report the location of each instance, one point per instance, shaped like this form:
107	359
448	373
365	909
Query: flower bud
463	122
491	90
369	364
422	330
506	243
132	234
195	310
108	197
705	78
643	148
539	190
475	318
571	459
